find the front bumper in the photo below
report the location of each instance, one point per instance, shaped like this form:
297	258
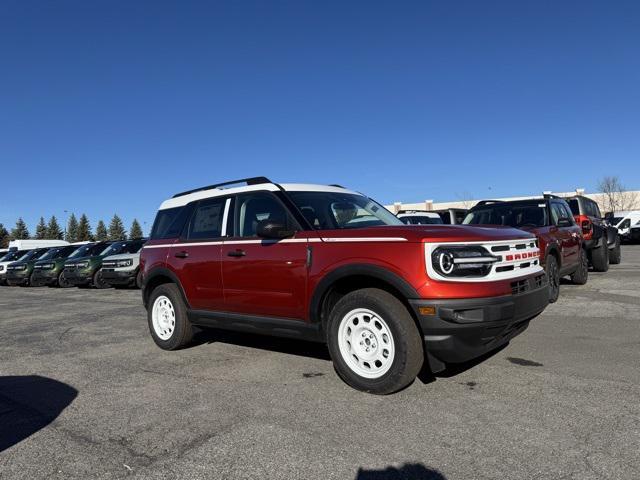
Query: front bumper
78	277
17	277
463	329
44	277
119	277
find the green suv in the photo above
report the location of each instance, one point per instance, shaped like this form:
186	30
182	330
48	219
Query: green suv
85	269
19	273
49	270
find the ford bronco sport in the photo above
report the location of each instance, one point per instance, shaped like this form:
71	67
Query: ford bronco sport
550	219
601	240
21	271
327	264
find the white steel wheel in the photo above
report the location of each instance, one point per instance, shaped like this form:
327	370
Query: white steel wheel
366	343
163	317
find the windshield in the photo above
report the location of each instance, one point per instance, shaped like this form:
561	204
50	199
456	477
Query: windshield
525	214
331	210
88	250
33	255
421	220
13	255
616	220
58	252
112	249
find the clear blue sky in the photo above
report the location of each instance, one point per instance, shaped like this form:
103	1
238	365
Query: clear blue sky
112	106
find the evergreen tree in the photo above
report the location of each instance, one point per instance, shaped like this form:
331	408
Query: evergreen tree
72	229
116	229
136	230
84	229
41	229
4	237
53	229
21	232
101	231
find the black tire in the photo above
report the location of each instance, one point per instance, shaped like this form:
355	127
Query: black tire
581	275
407	341
615	254
62	281
553	278
138	282
183	331
600	257
30	282
98	282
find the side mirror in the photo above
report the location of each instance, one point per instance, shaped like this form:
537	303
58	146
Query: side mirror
274	230
564	222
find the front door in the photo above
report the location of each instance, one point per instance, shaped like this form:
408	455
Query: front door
264	277
568	233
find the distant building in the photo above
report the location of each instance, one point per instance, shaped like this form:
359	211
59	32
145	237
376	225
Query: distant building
630	198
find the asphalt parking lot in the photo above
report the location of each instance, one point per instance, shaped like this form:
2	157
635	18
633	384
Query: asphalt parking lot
84	393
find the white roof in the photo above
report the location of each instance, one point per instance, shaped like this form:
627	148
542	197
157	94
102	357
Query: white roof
218	192
418	214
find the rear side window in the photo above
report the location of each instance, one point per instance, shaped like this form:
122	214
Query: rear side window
169	222
207	219
574	205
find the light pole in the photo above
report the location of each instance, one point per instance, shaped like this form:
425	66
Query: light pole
66	222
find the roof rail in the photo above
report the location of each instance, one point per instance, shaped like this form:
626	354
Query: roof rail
411	210
248	181
550	195
485	202
336	185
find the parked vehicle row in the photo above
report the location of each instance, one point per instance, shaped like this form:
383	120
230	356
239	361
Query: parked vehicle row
389	295
65	265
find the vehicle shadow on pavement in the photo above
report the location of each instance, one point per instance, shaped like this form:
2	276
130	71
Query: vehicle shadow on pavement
409	471
290	346
28	404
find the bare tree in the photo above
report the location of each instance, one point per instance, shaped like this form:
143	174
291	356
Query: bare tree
466	199
616	196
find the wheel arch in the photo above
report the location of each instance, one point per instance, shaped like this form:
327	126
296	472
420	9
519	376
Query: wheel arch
159	276
348	278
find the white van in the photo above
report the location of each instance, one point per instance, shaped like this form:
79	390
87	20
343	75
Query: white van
31	244
625	221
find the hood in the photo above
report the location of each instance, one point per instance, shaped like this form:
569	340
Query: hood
430	233
83	259
122	256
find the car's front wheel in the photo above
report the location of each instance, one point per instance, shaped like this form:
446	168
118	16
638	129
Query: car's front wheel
600	257
167	317
98	281
374	342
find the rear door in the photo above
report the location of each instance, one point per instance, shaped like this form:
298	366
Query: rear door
195	257
263	277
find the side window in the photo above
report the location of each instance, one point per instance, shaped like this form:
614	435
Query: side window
567	213
625	224
251	208
207	219
556	212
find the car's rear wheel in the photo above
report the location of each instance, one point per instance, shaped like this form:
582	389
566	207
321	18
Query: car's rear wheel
615	255
553	278
374	342
581	275
98	281
167	317
600	257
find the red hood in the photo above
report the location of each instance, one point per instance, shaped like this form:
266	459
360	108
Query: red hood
432	233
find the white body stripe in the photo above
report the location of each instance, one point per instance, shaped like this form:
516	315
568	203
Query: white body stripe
286	240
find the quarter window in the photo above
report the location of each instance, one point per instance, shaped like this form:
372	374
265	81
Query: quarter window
207	219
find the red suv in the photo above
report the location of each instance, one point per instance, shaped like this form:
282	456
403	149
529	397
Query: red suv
561	244
327	264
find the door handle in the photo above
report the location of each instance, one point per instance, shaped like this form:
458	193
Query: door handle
182	254
237	253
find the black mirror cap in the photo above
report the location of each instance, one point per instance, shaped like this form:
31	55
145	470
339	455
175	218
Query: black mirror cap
273	229
564	222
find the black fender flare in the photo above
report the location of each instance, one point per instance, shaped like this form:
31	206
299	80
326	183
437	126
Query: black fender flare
161	272
359	269
554	249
